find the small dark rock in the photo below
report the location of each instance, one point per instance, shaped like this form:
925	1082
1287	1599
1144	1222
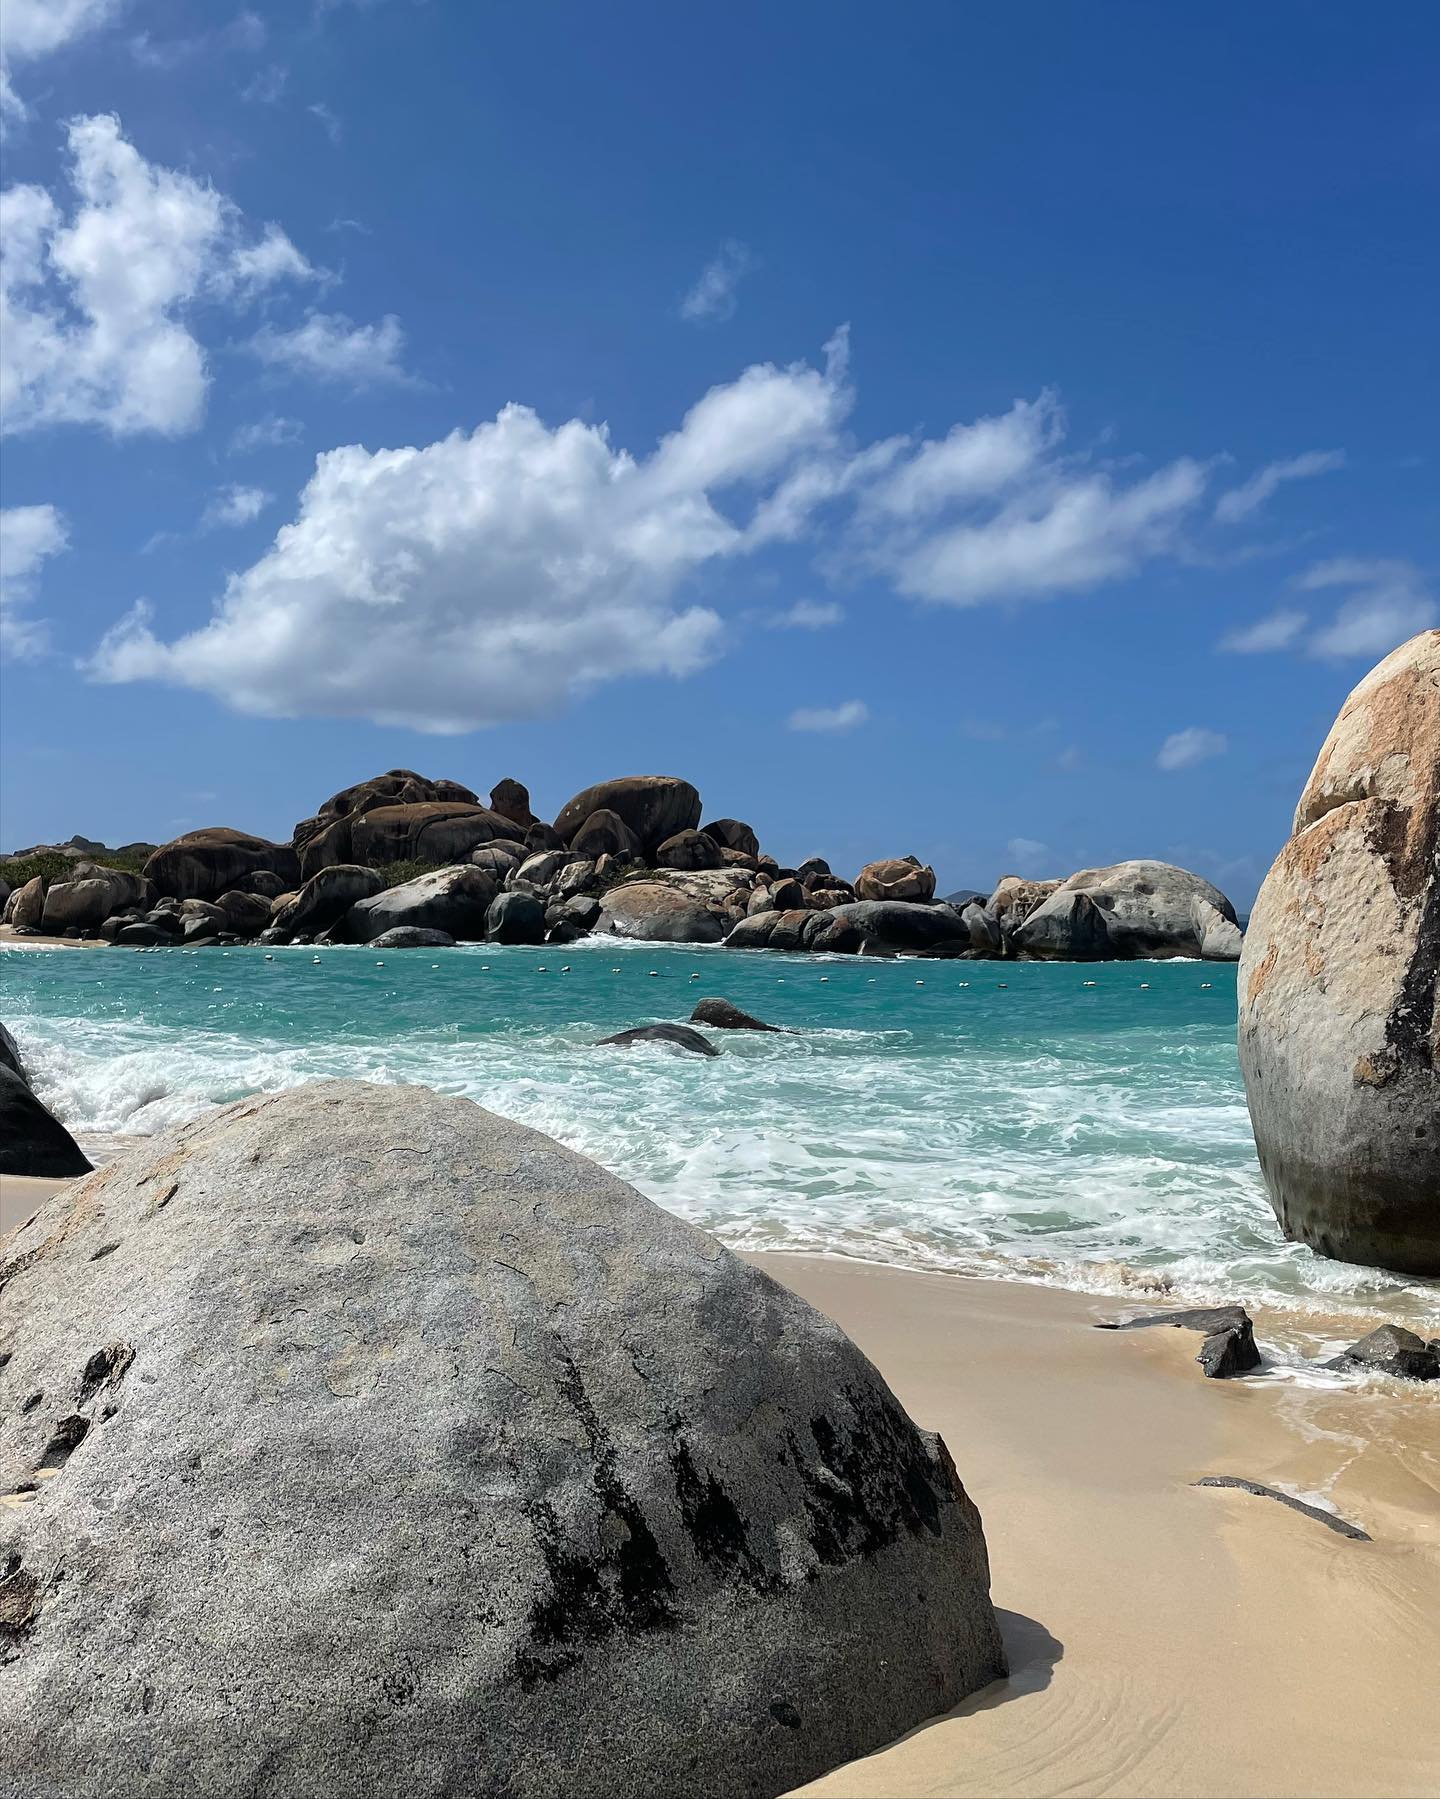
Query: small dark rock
722	1016
1229	1346
1393	1350
1341	1526
32	1140
679	1036
412	936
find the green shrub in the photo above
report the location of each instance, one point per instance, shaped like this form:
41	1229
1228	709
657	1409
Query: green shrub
16	871
395	874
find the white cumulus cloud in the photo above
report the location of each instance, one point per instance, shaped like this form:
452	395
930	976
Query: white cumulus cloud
1183	749
234	505
30	29
29	535
494	574
1241	501
330	347
713	297
844	717
94	306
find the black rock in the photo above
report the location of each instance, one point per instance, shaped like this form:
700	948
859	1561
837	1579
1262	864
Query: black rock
720	1014
1393	1350
1341	1526
1229	1346
412	936
516	917
679	1036
32	1140
10	1055
144	935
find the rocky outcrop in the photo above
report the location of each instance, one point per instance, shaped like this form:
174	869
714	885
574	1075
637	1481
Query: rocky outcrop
720	1015
731	834
499	859
656	913
1147	910
605	833
26	905
1339	1024
326	897
32	1142
1015	898
1229	1347
87	901
654	807
900	878
845	929
689	850
669	1036
453	900
464	1469
409	936
205	864
440	831
511	799
325	839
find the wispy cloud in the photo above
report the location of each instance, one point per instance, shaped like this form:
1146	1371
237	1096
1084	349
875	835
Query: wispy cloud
244	33
331	347
1183	749
29	536
807	615
1241	501
1028	856
234	505
1388	601
844	717
265	433
30	29
1277	631
327	118
713	297
266	87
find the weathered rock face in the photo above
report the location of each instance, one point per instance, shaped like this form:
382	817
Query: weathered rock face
732	834
1339	1023
511	799
900	878
433	831
1146	910
33	1142
10	1055
690	850
516	917
399	787
409	936
605	833
326	897
454	900
1015	898
653	806
87	902
458	1468
247	913
841	930
656	913
499	858
26	905
205	864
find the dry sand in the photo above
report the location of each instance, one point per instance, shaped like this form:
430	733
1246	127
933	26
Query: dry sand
9	940
1164	1639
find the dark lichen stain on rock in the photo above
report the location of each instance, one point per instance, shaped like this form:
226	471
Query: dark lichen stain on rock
624	1584
19	1599
65	1439
711	1518
875	1480
107	1366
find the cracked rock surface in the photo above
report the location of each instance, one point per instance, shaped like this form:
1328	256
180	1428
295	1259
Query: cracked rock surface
355	1441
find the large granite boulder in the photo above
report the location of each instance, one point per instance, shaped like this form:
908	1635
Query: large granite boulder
388	1447
439	831
1015	898
605	833
454	900
85	902
1339	1021
733	834
654	807
843	930
32	1142
10	1055
325	839
898	878
511	799
1146	910
26	905
655	912
516	917
690	850
204	864
326	897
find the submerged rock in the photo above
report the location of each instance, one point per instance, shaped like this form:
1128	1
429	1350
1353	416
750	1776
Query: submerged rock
677	1036
463	1469
722	1016
32	1139
1339	1024
1393	1350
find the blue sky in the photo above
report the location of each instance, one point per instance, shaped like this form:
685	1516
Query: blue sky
997	434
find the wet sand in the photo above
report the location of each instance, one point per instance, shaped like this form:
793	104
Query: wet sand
1164	1639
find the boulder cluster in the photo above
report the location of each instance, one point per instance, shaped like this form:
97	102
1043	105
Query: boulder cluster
627	857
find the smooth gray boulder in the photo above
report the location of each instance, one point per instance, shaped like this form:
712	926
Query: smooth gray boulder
389	1447
984	929
516	917
654	912
1339	1023
410	936
26	905
327	896
1136	910
33	1142
898	924
86	901
454	900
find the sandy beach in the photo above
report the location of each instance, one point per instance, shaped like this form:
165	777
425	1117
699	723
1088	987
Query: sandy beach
1164	1639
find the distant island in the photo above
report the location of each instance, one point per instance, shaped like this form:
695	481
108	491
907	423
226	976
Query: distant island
405	862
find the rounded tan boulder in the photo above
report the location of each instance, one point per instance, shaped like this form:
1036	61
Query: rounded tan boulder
1338	1017
896	878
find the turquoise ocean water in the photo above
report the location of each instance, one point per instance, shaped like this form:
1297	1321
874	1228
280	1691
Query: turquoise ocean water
1079	1125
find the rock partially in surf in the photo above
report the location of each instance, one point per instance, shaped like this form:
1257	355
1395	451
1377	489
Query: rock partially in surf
1393	1350
722	1016
1141	910
26	905
204	864
899	924
32	1140
1339	1021
671	1036
985	933
899	878
409	936
1229	1348
10	1055
516	917
326	897
464	1470
652	912
653	807
453	900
